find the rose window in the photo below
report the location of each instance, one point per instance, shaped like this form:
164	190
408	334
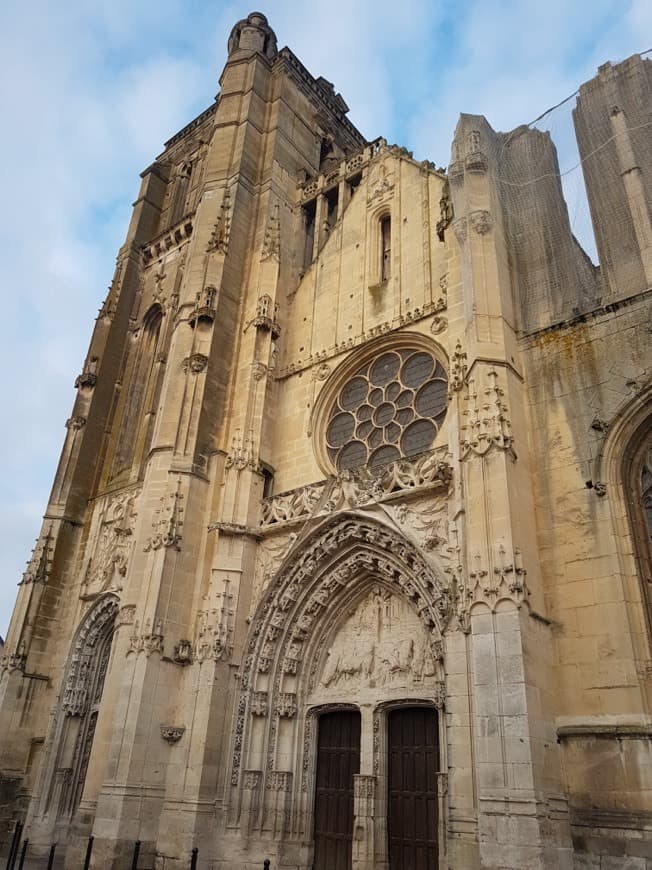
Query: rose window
391	407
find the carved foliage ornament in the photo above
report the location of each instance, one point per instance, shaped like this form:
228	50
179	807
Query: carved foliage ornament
352	489
487	425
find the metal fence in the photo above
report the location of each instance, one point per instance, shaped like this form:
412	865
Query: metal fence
18	853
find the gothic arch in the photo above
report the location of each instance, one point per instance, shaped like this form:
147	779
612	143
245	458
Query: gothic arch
76	716
618	471
340	562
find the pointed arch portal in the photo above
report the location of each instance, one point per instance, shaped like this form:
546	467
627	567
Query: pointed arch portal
351	622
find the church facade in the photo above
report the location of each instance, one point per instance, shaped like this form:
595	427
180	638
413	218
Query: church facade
347	559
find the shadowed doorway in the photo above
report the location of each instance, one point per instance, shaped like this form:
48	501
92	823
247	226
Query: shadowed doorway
413	810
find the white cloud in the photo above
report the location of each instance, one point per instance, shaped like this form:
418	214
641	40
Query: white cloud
93	89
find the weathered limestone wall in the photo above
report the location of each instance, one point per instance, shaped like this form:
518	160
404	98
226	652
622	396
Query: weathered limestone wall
612	122
247	585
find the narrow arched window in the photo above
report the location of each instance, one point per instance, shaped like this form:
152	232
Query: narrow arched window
136	419
385	248
638	483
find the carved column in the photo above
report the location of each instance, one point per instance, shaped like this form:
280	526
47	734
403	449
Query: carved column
364	813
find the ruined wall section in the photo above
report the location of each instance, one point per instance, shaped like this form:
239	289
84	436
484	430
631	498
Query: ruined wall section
612	122
552	276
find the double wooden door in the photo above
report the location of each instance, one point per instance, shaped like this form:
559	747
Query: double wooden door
413	761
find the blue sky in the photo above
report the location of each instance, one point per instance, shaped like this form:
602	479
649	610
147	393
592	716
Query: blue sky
91	91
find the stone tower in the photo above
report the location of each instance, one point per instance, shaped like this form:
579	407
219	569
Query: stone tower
346	562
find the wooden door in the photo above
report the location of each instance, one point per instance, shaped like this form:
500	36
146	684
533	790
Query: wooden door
413	809
338	759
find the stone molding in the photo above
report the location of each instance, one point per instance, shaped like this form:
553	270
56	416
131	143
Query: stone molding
351	489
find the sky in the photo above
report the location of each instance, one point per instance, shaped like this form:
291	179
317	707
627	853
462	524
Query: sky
92	90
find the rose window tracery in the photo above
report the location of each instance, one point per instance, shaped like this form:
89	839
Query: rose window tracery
392	406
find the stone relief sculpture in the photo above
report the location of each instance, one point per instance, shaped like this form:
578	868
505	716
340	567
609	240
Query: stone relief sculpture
382	643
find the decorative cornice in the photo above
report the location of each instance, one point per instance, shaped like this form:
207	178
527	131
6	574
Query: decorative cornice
395	325
166	241
604	732
354	488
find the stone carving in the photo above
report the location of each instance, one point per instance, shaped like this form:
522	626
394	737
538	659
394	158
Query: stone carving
167	522
438	325
150	641
183	652
364	787
258	370
320	373
214	640
88	378
272	240
480	221
599	425
125	615
507	580
159	277
445	211
359	487
75	423
487	423
382	643
460	229
291	505
259	704
204	310
40	563
219	240
376	741
430	525
279	780
293	606
241	454
14	660
97	622
252	779
195	363
381	181
458	369
266	317
113	544
171	238
286	705
172	733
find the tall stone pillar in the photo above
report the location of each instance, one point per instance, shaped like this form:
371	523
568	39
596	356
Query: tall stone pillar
521	813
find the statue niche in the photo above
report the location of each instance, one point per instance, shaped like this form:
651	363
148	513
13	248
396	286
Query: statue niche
382	644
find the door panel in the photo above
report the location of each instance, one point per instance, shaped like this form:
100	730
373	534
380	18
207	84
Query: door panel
338	759
413	812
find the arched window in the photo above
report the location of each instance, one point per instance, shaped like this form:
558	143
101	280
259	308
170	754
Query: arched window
137	419
637	468
385	248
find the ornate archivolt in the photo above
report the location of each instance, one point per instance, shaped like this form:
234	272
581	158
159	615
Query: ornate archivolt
68	748
325	630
